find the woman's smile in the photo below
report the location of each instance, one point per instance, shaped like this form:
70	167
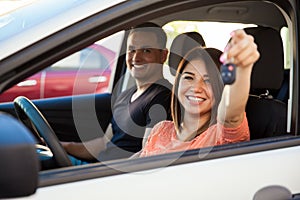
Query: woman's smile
195	99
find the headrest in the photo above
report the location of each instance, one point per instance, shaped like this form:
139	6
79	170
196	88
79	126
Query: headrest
181	44
268	71
215	55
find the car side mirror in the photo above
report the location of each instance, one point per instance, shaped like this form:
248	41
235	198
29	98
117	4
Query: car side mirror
19	163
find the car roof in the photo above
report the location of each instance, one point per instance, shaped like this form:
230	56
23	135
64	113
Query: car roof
249	12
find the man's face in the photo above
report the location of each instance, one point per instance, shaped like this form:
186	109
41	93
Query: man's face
144	56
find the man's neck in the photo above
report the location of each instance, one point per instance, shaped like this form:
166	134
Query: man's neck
142	86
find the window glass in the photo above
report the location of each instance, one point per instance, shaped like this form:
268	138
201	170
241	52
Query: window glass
88	58
86	71
215	34
92	59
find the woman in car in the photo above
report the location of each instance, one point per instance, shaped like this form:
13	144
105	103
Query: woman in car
204	112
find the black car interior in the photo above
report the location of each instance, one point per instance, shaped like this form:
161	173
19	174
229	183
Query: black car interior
266	114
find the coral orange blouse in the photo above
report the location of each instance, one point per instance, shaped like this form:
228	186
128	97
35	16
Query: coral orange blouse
163	138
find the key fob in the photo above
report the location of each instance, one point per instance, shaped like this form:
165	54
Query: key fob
228	73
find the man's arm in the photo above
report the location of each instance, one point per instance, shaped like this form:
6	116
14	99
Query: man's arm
87	150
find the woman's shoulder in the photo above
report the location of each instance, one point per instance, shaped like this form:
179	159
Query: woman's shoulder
163	127
162	133
165	124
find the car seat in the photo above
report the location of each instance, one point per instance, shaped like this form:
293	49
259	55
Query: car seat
283	93
266	115
181	44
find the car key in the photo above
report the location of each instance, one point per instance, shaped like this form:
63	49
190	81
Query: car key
228	71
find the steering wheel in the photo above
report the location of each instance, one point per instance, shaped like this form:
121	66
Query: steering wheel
29	114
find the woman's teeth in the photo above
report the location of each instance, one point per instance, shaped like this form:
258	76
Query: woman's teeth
192	98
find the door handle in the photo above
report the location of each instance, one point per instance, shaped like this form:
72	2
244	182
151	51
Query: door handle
97	79
27	83
275	192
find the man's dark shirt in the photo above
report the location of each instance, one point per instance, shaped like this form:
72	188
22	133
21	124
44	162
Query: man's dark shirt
130	119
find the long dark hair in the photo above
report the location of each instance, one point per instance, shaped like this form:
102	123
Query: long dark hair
212	69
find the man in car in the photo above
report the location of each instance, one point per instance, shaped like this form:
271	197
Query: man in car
137	109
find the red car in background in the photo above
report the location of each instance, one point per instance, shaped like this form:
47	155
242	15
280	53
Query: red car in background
86	71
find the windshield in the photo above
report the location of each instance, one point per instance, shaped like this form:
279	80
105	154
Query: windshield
30	15
7	6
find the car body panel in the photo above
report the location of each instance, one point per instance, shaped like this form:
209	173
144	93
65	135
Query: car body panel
250	172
